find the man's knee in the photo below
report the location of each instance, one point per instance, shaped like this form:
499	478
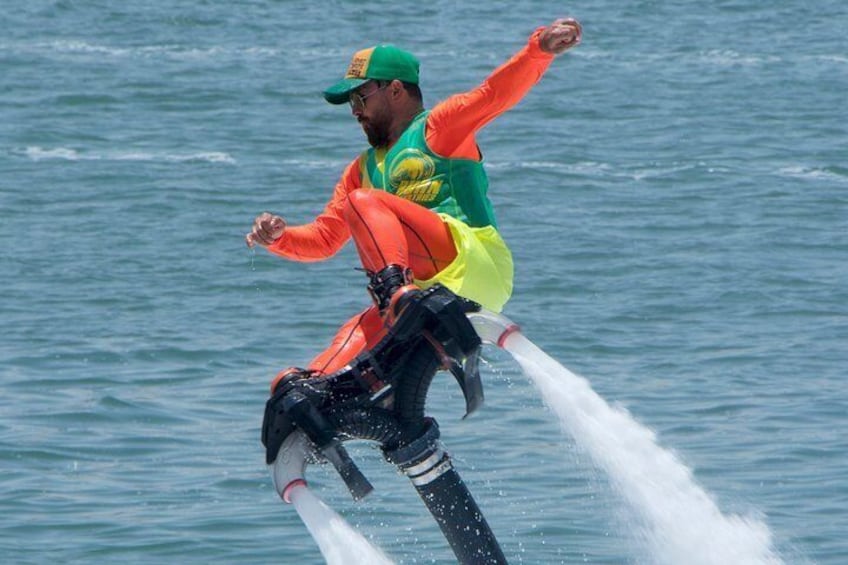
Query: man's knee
292	373
357	201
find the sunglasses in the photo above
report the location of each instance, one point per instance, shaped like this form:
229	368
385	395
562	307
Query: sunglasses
357	100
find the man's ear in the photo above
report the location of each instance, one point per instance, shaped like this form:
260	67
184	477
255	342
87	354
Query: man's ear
396	87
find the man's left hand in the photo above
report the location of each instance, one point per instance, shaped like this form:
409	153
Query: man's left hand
560	36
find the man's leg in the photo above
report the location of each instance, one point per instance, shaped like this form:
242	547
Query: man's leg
389	230
362	331
397	241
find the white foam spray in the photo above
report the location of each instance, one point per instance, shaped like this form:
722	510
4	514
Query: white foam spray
339	542
36	153
681	522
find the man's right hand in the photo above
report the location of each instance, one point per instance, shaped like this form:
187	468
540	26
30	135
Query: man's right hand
267	228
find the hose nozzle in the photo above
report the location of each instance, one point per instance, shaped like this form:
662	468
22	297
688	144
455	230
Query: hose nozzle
318	429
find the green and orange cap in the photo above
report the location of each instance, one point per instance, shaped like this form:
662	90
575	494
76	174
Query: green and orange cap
381	62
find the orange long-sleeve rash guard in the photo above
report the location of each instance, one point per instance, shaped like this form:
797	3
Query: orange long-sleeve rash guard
451	128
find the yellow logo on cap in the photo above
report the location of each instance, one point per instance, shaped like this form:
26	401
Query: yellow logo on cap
359	64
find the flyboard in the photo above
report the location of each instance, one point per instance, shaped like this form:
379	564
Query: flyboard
380	396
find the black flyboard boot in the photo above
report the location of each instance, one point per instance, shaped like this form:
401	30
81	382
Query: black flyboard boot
391	287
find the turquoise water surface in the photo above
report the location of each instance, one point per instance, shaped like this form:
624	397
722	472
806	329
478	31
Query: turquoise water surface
675	192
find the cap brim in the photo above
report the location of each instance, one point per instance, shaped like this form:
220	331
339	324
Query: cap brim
339	93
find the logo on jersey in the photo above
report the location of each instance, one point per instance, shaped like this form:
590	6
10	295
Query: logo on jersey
412	176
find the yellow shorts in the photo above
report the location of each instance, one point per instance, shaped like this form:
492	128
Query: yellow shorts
482	270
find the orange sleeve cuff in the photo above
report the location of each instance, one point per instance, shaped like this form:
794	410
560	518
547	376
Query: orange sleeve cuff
534	48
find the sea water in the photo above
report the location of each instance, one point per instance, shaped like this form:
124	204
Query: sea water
674	191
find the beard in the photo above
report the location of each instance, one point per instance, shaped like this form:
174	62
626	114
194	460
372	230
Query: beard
376	130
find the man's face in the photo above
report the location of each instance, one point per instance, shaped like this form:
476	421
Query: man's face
370	108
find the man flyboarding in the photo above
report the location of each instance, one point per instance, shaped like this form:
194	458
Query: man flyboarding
415	202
